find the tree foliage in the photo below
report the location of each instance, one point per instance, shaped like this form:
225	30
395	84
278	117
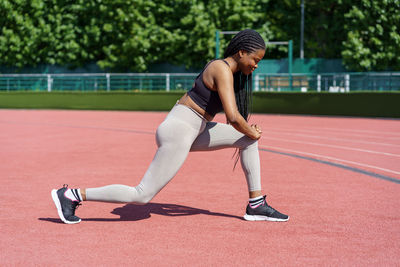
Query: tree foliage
373	36
133	34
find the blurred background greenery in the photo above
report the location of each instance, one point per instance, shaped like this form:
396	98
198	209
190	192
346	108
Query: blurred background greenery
132	35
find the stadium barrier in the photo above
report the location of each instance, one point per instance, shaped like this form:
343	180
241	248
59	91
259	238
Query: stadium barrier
328	82
324	82
367	104
97	82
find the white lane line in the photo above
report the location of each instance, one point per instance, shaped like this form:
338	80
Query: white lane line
358	131
334	138
393	138
334	146
326	133
331	158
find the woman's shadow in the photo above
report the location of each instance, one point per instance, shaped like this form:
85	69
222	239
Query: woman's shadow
132	212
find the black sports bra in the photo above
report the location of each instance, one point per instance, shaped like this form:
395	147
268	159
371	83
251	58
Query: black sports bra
204	97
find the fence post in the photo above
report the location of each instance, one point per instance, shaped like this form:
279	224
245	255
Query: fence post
108	81
319	83
48	83
347	82
167	82
217	44
257	81
290	64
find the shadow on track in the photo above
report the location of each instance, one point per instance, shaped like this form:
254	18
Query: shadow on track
132	212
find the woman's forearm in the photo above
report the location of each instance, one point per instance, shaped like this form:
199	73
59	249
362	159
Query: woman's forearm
240	124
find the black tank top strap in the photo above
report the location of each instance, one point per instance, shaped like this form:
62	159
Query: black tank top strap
204	97
205	67
226	62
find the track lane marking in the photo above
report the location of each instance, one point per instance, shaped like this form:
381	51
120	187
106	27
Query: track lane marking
372	174
356	131
260	148
331	158
341	132
334	138
334	146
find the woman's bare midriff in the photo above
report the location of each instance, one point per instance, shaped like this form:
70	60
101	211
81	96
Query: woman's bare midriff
187	101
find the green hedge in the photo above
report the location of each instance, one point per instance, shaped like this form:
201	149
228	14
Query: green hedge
371	104
148	101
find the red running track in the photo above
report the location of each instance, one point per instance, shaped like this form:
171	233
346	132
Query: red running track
338	178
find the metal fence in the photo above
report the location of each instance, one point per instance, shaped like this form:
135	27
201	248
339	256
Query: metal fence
329	82
97	82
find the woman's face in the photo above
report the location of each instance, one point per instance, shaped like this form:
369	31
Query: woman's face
249	60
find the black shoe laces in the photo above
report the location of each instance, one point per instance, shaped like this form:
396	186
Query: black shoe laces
268	206
74	204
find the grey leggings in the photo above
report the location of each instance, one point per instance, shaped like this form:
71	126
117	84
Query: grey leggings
183	131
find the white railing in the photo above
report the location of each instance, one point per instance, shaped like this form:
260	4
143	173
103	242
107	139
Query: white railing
328	82
322	82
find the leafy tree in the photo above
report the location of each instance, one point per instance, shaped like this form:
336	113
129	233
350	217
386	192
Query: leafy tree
35	32
323	26
124	35
373	36
119	34
180	32
205	17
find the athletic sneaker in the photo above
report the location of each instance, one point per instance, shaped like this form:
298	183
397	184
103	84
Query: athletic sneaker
65	206
264	212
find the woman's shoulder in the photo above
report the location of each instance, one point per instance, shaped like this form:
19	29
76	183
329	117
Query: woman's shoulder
217	72
219	63
218	66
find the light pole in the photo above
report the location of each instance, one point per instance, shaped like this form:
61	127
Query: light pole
302	30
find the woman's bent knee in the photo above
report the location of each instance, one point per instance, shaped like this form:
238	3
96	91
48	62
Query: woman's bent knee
248	143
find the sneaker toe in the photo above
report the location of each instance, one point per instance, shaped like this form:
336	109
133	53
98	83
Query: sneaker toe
73	218
279	216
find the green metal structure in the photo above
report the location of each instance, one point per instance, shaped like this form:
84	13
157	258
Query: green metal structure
137	82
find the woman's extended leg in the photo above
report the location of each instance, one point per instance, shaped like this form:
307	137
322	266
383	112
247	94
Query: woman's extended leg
174	138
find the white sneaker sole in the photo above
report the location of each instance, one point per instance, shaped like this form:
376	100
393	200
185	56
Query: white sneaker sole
262	218
59	209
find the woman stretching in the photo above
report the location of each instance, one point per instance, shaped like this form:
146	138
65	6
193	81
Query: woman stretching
223	85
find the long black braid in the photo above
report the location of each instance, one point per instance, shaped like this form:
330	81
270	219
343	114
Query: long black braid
249	41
